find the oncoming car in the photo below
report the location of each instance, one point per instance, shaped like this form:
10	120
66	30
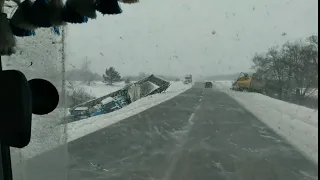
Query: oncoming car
208	84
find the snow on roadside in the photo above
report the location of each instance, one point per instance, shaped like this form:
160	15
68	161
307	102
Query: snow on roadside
81	128
298	124
302	113
177	86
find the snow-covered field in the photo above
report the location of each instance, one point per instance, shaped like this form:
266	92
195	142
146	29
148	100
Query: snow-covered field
47	132
298	124
98	88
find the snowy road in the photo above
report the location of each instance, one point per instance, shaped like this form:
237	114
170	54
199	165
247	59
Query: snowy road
200	134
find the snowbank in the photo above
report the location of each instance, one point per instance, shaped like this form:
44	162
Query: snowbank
81	128
299	125
177	86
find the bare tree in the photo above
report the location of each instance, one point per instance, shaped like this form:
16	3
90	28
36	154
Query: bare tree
127	80
313	40
271	66
294	66
87	75
303	66
76	95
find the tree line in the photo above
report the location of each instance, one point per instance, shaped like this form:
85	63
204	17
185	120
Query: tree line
83	74
290	71
109	77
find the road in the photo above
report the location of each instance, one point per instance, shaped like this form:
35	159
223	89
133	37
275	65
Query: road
200	134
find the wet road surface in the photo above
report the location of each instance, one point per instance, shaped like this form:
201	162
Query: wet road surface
200	134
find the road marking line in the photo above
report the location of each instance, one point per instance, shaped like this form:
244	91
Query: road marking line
191	118
172	166
177	151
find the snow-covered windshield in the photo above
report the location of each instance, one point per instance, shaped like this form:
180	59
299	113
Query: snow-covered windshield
170	89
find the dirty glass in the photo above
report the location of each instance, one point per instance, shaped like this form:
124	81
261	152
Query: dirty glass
176	90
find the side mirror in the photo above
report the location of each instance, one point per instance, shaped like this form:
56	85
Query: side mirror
15	109
45	97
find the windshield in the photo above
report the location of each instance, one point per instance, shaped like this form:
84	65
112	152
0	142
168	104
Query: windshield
170	89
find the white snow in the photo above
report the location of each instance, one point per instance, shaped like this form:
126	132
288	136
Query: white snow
81	108
107	100
297	124
177	87
98	88
81	128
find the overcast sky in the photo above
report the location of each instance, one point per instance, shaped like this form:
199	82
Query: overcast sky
175	37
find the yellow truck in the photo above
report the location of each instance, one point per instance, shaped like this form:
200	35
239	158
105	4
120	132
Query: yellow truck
249	83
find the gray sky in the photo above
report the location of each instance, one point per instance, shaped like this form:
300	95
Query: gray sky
175	37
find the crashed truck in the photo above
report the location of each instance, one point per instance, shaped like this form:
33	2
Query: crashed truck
118	99
249	83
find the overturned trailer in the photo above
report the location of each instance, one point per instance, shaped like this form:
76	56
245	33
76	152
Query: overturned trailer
131	92
147	86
